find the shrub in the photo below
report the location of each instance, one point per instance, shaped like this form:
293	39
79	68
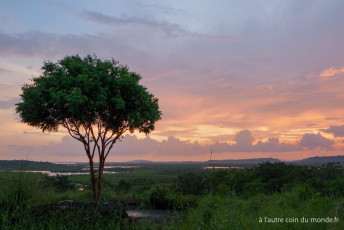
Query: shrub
123	186
60	182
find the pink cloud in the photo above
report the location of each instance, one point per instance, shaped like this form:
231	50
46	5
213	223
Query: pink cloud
330	72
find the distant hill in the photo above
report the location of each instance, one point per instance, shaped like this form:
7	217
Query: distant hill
146	162
320	160
68	167
307	161
253	161
242	162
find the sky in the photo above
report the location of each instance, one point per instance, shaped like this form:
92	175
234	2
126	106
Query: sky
243	79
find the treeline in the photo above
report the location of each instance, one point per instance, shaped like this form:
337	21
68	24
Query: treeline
267	178
41	166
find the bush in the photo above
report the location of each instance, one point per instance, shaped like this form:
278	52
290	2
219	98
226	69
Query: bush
253	188
60	183
191	183
123	186
303	192
158	198
334	188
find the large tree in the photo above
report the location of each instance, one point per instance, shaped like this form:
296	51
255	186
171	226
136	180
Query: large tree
96	100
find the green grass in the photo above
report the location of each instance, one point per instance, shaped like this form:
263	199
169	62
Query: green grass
214	212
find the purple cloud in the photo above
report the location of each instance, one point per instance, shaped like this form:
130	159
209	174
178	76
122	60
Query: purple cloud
273	145
312	141
331	118
129	146
5	86
244	141
170	29
4	70
311	124
38	43
9	103
338	131
49	45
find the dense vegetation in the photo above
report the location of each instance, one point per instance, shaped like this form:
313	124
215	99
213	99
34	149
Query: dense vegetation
263	197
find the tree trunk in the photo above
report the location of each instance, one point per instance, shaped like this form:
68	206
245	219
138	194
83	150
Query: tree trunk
93	179
100	177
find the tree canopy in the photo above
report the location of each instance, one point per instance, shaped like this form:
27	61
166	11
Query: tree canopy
96	100
88	91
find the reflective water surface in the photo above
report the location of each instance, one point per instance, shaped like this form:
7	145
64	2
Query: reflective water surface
152	215
49	173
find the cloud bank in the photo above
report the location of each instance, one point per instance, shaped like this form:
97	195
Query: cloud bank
131	146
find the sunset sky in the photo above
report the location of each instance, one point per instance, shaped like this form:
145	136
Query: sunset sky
247	79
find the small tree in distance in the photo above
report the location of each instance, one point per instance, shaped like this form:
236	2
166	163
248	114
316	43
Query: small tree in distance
96	100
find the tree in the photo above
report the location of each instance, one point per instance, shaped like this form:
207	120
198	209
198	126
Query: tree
96	100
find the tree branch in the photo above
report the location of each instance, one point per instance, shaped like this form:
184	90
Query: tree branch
95	139
75	133
112	142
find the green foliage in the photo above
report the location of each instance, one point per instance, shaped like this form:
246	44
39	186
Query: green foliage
267	178
274	175
334	187
303	192
60	182
237	179
223	190
158	197
191	183
253	188
123	185
85	91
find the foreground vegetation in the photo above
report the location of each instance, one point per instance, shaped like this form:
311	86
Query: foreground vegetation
269	196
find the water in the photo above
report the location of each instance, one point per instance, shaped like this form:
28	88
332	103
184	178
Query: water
49	173
152	215
121	167
65	163
218	167
113	167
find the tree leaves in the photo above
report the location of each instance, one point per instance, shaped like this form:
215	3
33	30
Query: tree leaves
88	90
